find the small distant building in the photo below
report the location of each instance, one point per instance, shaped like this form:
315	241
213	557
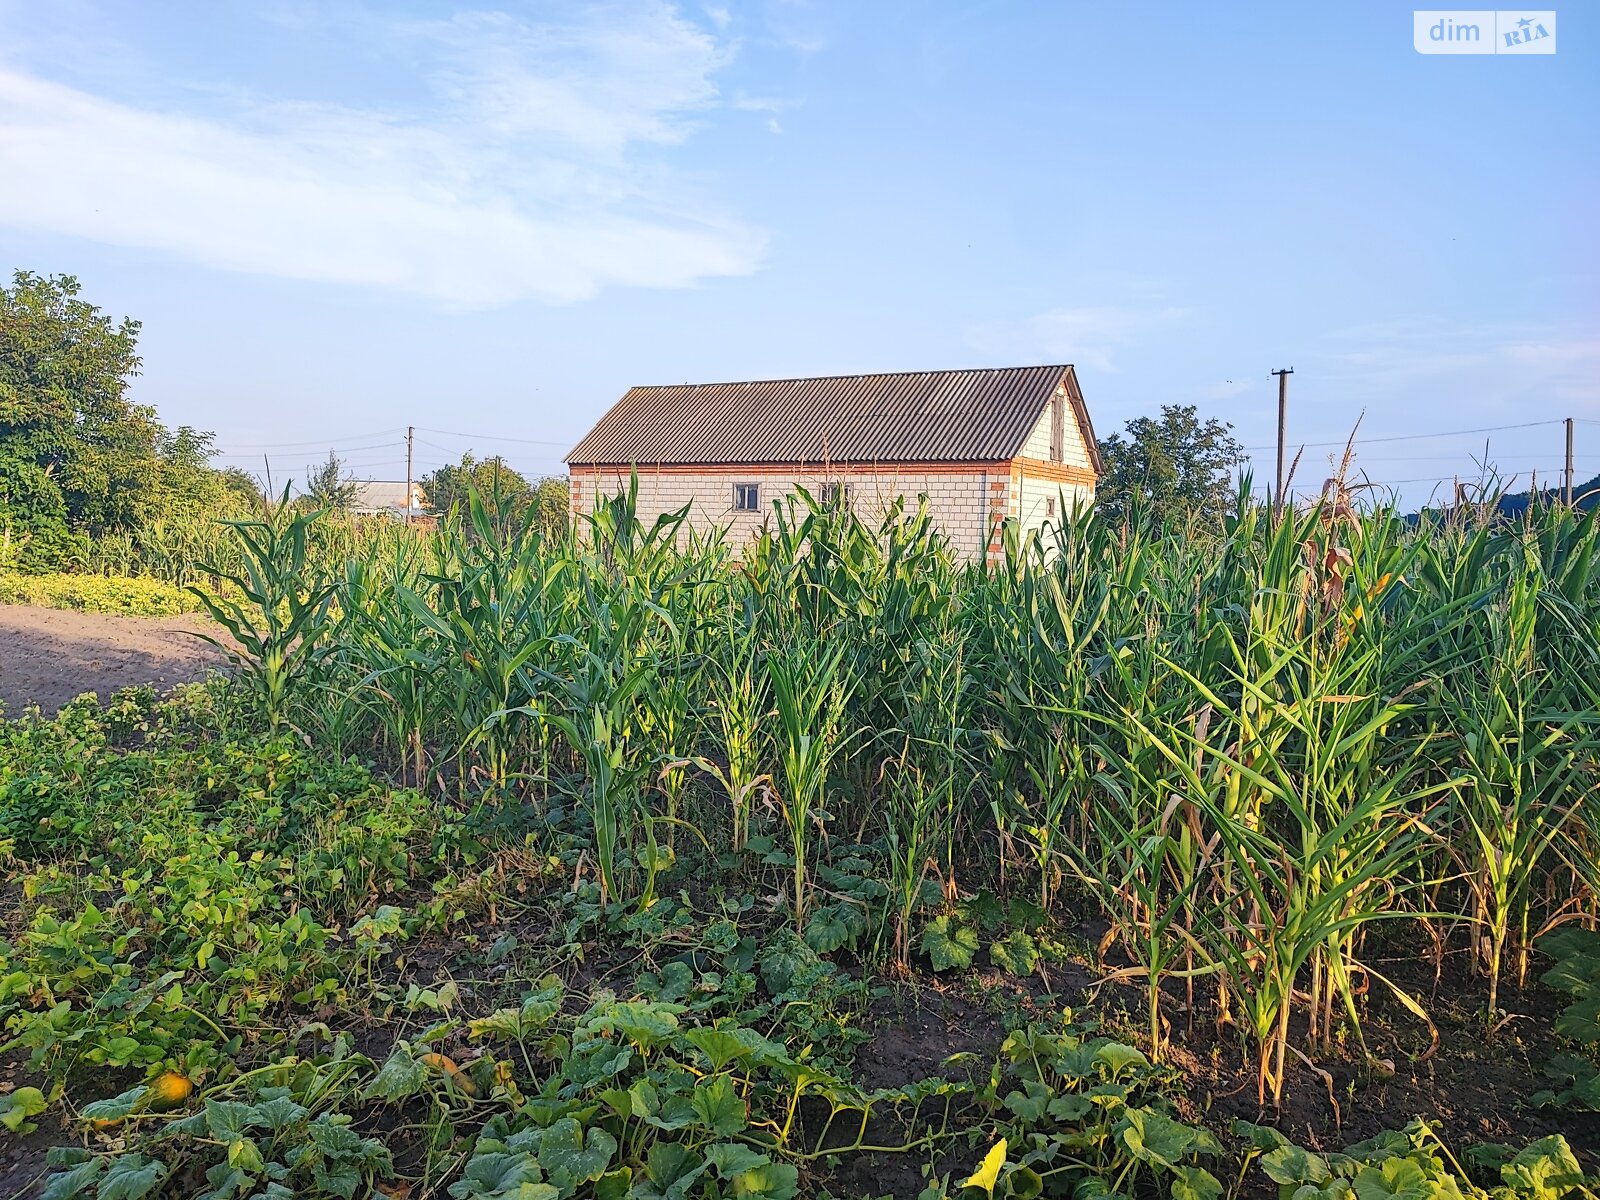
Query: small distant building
982	446
386	498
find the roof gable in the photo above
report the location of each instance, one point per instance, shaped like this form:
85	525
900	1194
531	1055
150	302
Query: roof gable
915	416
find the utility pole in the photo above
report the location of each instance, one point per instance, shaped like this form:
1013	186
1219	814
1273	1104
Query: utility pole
1283	423
1568	489
411	434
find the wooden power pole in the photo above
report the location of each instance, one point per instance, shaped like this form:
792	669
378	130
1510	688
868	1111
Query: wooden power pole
1283	423
411	434
1567	491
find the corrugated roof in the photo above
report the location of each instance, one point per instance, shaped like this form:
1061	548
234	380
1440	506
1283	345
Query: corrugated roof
375	494
913	416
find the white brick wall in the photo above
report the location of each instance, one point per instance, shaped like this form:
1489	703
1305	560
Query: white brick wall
1035	495
957	499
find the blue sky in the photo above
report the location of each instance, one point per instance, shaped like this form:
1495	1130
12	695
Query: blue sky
337	220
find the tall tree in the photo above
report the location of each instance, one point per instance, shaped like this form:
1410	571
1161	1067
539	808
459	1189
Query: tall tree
77	457
1174	466
504	490
330	486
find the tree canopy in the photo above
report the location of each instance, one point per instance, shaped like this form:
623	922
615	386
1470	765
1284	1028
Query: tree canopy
1173	466
79	459
507	493
330	485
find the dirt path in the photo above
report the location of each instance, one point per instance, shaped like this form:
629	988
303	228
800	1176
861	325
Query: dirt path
48	656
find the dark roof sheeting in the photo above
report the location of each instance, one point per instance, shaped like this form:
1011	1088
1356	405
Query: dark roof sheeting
917	416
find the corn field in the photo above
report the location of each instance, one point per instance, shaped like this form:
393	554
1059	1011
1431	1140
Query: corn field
1255	756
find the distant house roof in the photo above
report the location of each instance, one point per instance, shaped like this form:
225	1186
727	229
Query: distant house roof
384	495
913	416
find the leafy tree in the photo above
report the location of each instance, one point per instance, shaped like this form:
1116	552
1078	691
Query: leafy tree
1175	466
504	489
552	497
77	457
243	490
508	494
330	486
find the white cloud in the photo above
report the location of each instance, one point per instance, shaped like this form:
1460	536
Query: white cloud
528	174
625	74
1085	336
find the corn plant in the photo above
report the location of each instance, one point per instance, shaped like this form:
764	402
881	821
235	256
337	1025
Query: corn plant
810	688
276	611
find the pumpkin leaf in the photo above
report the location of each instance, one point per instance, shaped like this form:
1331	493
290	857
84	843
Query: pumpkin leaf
718	1106
1017	953
116	1108
569	1159
131	1177
949	944
988	1172
16	1107
770	1181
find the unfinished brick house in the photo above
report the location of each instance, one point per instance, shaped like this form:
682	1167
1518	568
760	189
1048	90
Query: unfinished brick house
982	446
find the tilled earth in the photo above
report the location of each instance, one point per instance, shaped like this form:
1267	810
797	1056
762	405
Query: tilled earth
48	656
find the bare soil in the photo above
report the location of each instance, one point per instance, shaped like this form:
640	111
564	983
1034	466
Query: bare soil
48	656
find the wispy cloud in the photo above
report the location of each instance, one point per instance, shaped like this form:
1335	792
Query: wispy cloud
1487	368
531	166
1086	336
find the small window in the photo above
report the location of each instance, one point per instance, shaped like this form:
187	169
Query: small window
746	497
1050	507
834	494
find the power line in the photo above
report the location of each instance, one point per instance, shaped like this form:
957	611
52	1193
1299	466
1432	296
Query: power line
491	437
341	450
319	442
1412	437
1495	458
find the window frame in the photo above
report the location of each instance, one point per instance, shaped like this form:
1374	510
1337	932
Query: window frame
755	496
835	491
